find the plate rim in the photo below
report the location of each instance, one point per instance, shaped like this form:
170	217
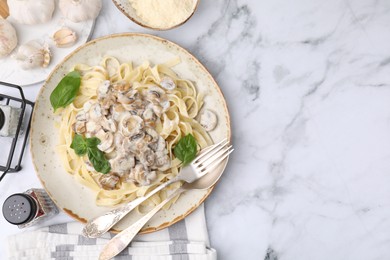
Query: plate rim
118	35
154	28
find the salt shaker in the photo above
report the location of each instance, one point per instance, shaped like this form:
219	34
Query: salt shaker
9	119
29	208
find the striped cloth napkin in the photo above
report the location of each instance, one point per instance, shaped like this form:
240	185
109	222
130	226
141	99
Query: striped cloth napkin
187	239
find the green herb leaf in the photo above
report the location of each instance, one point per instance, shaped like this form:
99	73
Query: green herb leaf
99	162
186	149
92	142
79	145
88	146
66	90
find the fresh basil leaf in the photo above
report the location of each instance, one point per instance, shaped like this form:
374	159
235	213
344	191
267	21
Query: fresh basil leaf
186	149
79	145
88	146
92	142
98	160
66	90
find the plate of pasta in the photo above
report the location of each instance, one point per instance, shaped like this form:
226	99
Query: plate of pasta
109	120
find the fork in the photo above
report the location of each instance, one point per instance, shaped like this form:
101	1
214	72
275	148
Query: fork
207	160
118	243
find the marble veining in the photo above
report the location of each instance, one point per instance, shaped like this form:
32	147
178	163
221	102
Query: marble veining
307	83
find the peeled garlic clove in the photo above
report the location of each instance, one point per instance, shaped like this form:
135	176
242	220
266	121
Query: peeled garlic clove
31	11
208	120
8	38
33	55
80	10
64	37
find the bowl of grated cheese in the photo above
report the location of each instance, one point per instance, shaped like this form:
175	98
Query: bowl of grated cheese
156	14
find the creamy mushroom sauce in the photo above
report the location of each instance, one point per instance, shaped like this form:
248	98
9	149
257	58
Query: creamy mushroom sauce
124	120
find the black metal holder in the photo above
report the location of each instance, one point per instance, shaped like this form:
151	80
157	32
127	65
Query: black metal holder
4	169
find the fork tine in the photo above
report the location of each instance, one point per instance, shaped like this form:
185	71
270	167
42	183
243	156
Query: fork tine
209	149
218	161
212	159
214	149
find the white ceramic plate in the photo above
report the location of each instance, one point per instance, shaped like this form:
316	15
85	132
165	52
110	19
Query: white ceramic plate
72	197
127	9
11	72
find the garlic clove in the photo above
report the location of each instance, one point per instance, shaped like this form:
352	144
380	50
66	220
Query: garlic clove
80	10
8	38
46	56
64	37
31	11
33	55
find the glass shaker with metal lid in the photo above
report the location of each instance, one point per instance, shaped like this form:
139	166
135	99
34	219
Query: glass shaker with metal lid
29	208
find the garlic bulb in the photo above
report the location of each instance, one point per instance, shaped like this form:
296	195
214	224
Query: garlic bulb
80	10
31	11
8	38
64	37
33	55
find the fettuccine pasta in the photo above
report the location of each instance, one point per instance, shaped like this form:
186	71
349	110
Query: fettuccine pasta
113	88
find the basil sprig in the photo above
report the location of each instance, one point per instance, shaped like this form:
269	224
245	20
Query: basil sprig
186	149
82	146
66	90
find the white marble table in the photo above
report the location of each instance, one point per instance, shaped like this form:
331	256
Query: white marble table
308	87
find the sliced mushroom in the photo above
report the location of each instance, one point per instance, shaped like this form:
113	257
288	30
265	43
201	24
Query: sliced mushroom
135	144
208	120
167	83
135	105
138	137
141	146
127	98
150	177
103	89
153	93
165	105
88	105
108	102
163	161
161	145
109	125
107	141
96	111
149	117
92	128
124	100
79	127
134	110
81	116
122	164
118	140
108	181
151	135
117	111
147	157
121	86
136	173
130	125
158	110
140	175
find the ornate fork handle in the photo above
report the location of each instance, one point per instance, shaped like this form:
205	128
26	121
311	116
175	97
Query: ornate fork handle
122	240
98	226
